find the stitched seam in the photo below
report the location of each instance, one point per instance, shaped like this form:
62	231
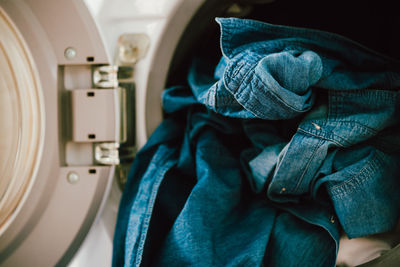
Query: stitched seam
149	210
342	139
239	89
307	166
369	129
211	95
325	138
364	129
237	93
251	68
280	163
337	97
254	106
275	95
225	100
381	94
371	164
238	65
148	214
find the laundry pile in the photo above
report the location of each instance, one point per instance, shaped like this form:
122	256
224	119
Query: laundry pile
263	159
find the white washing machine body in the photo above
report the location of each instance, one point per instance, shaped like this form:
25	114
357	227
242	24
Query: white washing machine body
61	62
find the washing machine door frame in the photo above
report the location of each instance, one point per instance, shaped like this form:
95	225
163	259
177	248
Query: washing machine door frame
66	197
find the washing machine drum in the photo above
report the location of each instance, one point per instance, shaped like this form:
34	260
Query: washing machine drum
51	188
60	113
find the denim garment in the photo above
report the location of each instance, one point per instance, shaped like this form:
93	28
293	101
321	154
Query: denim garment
273	72
136	202
221	222
223	183
276	72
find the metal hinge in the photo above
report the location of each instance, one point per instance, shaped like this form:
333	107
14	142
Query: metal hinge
120	76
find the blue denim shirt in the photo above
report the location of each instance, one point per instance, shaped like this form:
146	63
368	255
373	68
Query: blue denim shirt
276	72
262	163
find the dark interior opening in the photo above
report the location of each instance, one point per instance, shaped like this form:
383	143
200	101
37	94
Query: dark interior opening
374	24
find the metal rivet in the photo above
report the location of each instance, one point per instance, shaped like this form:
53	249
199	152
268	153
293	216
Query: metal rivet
332	219
73	177
70	53
316	126
283	189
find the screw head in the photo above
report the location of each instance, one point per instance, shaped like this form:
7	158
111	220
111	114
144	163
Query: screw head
70	53
72	177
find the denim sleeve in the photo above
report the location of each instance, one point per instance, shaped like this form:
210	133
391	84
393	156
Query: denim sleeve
273	72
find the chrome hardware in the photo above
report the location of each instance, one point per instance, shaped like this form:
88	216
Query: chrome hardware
106	153
105	76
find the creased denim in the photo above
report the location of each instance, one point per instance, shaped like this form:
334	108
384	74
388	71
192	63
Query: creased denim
272	72
263	163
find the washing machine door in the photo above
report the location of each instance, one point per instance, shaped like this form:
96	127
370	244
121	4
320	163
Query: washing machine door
59	128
